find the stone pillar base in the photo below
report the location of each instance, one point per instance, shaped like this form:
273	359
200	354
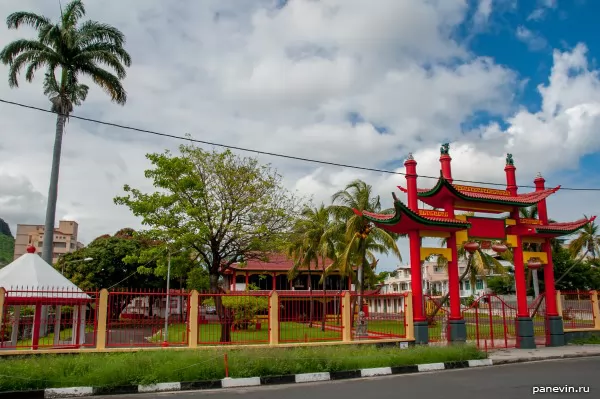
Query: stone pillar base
556	333
457	330
421	332
525	335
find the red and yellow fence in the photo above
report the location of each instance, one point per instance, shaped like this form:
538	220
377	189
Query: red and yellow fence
579	309
32	320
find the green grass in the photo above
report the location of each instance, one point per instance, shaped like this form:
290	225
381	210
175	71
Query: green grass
48	340
114	369
591	340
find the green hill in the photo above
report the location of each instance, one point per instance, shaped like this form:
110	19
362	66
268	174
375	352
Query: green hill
7	244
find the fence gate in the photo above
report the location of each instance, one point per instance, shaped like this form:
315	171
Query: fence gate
491	322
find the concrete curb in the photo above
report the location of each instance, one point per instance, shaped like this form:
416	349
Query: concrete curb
76	392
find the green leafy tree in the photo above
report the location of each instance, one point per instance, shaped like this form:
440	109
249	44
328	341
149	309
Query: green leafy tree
7	244
361	238
221	207
68	50
313	241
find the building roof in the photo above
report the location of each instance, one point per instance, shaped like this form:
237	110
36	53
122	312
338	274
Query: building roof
555	229
276	263
403	219
30	277
439	194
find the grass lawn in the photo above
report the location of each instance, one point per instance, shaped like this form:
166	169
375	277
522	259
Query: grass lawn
388	327
592	340
114	369
48	340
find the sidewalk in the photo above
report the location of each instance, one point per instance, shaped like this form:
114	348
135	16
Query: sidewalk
505	356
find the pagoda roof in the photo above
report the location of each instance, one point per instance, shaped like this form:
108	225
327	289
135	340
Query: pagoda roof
404	219
555	229
438	195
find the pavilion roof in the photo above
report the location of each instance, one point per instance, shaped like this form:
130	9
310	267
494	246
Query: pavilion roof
276	263
404	219
557	229
438	195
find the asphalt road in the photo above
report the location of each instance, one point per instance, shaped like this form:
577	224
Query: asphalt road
498	382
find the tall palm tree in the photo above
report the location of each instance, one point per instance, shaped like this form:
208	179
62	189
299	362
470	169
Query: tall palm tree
361	237
74	50
588	242
313	242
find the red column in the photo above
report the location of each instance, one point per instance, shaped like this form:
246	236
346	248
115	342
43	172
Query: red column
274	281
234	281
522	310
37	321
542	209
511	179
416	282
455	313
411	183
551	308
445	161
247	280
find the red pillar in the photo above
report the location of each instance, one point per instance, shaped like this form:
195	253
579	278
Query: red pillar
234	288
453	277
542	209
416	278
511	179
411	183
445	161
522	309
274	281
551	306
37	321
247	280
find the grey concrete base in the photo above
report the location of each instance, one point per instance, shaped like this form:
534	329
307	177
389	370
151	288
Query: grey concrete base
421	332
458	331
555	331
525	335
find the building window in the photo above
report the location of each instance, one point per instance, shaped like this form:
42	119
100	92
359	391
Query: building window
467	285
437	269
479	284
60	245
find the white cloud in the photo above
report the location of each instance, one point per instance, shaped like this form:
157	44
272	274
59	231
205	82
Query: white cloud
533	40
484	10
247	74
539	13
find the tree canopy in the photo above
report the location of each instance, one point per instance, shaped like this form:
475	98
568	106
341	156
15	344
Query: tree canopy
221	207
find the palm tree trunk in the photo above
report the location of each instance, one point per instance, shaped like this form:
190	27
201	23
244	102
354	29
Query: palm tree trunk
47	248
536	283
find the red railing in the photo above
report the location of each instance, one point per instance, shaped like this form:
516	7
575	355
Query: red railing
437	318
577	309
137	318
49	318
310	318
239	318
490	322
384	315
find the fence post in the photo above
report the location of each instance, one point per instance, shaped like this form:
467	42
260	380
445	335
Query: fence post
274	318
408	316
193	320
2	296
559	307
595	309
102	318
346	317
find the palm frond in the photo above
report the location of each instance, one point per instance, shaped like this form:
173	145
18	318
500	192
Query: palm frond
16	19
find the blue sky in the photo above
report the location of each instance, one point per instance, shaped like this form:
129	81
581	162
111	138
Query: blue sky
348	81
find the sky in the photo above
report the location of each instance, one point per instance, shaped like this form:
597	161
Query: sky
346	81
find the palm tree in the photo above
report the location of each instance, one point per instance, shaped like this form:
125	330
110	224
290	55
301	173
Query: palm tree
74	50
588	242
313	241
362	239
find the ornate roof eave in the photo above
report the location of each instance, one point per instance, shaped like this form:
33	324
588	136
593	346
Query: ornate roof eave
565	228
400	208
444	183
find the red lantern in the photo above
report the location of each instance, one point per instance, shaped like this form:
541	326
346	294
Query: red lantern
471	247
534	264
499	248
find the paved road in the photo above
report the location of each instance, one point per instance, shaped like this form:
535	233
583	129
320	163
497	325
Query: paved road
515	381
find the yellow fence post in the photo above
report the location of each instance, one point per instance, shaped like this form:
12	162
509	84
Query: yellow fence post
274	318
346	318
102	318
193	320
596	309
559	308
2	296
408	316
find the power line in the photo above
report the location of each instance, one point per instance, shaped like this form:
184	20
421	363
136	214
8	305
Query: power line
302	159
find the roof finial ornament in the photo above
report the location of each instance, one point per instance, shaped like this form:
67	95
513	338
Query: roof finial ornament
509	160
410	156
445	149
539	175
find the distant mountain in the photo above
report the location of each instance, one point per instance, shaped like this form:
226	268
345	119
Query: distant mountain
5	228
7	244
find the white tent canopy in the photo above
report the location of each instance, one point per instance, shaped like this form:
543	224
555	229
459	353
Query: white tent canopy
30	276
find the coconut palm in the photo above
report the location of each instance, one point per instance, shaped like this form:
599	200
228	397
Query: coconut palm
67	50
313	241
362	239
588	242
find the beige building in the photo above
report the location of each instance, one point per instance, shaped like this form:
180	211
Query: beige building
65	239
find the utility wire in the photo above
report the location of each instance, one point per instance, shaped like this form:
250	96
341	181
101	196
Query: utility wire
172	136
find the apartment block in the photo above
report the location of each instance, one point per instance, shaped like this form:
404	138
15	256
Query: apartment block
65	239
